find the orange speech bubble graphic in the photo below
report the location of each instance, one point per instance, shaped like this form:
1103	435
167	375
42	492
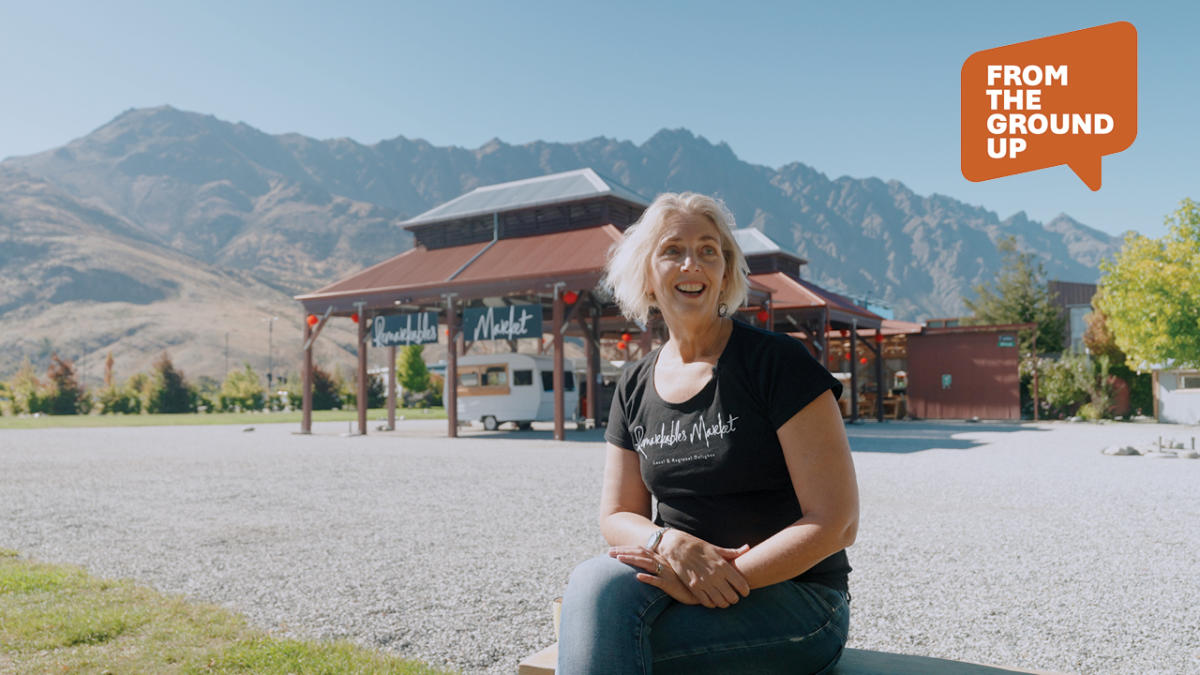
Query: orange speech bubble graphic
1064	99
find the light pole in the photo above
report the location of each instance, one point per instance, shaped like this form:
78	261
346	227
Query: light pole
270	353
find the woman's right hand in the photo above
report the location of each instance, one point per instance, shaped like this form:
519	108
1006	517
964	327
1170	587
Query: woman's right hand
704	568
657	572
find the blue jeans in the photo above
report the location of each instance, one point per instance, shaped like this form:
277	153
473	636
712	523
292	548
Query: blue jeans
613	623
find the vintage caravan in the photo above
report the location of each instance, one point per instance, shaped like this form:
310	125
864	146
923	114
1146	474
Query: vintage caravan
519	388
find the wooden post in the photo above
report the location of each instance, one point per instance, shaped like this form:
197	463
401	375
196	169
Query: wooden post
825	328
1154	391
307	385
1036	403
593	368
853	371
451	367
560	427
879	375
770	313
391	385
362	372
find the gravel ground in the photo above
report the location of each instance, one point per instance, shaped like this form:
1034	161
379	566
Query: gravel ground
1004	544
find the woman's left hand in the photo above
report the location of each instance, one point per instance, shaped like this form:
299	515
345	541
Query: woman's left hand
658	572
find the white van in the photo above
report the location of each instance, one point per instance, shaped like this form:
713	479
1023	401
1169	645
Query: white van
499	388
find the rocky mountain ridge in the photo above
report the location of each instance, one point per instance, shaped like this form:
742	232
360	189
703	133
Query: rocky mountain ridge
274	215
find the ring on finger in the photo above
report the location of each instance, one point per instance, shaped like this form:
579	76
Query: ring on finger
658	569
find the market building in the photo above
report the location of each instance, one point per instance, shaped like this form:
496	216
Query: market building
522	261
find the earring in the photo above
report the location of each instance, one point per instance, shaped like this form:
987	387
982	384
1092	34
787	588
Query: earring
722	310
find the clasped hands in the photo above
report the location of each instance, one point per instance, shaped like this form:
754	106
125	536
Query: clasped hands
692	570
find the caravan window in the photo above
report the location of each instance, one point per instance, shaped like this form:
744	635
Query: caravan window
495	376
548	380
483	380
522	378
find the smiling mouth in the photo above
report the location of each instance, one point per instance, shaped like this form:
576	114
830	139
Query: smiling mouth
693	289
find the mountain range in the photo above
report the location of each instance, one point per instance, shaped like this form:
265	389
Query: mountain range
172	230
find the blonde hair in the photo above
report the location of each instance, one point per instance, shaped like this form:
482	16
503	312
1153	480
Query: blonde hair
626	275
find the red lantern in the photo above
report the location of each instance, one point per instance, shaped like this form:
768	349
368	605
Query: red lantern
878	338
863	360
354	317
621	345
570	297
763	315
626	337
312	319
844	333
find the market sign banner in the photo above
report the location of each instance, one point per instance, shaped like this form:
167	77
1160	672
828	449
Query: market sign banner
502	323
404	329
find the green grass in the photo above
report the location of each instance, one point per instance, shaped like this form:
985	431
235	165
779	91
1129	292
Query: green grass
56	618
60	421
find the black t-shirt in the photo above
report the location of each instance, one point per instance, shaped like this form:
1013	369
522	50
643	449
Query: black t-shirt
713	462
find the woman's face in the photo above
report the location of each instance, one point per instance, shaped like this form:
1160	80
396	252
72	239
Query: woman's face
687	268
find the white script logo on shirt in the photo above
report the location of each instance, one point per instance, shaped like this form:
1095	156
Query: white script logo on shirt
674	436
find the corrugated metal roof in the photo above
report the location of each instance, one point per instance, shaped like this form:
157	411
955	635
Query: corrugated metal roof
556	188
753	242
789	293
414	267
544	255
550	256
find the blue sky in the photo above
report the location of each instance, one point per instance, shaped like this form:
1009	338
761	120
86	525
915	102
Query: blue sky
860	89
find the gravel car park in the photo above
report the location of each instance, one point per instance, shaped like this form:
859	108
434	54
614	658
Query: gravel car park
1020	545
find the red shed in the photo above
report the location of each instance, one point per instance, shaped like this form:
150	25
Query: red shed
964	372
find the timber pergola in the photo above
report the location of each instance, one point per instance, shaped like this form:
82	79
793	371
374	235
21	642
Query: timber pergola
807	311
540	241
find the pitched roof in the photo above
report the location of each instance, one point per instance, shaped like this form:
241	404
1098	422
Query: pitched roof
522	262
754	242
789	293
555	188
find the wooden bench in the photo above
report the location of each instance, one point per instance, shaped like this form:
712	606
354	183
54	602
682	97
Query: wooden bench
854	662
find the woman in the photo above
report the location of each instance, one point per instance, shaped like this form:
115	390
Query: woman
736	433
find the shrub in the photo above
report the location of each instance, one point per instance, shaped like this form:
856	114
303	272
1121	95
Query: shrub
168	391
1092	411
376	391
120	400
326	393
411	372
242	391
64	395
1067	383
26	392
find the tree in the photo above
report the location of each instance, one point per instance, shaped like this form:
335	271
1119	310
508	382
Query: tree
169	391
241	390
325	390
1101	344
108	370
1150	293
122	400
1019	295
26	392
65	396
1066	384
411	372
376	391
